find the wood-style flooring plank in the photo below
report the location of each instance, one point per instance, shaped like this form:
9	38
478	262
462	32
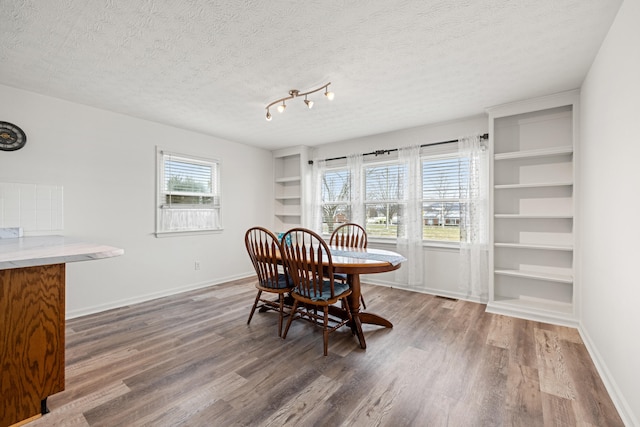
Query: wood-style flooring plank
191	360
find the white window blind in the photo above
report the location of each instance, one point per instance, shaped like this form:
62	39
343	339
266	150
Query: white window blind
189	193
442	180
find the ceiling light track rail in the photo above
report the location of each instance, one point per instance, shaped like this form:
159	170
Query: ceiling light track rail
295	93
382	152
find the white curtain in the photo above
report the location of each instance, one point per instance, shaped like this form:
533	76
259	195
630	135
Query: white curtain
319	168
409	242
474	221
354	164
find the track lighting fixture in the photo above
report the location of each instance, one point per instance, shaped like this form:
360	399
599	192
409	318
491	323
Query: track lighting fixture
294	93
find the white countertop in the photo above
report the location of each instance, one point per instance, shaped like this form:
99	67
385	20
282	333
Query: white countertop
46	250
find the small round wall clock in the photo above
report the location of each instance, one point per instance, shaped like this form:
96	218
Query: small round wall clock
11	137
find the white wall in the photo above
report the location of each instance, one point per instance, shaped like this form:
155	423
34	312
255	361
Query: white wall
609	177
441	265
106	163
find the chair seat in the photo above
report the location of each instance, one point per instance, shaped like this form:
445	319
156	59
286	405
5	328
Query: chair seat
340	276
339	288
281	284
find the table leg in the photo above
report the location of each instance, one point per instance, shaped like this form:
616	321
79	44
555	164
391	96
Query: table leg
358	317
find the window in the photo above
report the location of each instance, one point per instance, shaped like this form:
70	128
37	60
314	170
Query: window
336	199
444	177
442	181
383	196
189	193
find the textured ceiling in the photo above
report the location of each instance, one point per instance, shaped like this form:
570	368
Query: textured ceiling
213	66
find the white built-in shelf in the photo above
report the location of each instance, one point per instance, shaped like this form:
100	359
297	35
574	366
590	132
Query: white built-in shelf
542	152
526	216
534	246
562	278
533	185
288	179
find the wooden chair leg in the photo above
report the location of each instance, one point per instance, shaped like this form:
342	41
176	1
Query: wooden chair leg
291	314
325	330
255	304
280	314
364	306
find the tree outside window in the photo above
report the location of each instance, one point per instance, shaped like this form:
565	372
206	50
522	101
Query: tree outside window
336	199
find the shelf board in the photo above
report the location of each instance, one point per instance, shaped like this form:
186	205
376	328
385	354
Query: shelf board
566	248
561	278
542	152
288	179
288	197
525	216
533	185
283	214
533	309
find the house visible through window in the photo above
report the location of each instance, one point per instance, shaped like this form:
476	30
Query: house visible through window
189	193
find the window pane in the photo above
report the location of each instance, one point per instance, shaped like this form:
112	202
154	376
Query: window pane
441	221
334	214
336	186
187	177
442	183
441	179
189	182
384	182
382	219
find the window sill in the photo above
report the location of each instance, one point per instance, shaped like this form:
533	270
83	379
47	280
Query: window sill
162	234
425	244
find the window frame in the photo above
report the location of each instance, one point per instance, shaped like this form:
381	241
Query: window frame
214	208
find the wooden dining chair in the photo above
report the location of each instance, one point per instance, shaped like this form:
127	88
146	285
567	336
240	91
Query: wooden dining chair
349	235
310	265
264	249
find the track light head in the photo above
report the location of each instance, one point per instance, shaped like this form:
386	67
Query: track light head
281	107
309	103
268	115
329	95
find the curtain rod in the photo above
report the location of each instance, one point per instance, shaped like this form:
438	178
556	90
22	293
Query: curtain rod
380	152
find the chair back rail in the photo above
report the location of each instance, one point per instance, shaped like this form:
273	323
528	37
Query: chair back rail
264	250
349	235
309	262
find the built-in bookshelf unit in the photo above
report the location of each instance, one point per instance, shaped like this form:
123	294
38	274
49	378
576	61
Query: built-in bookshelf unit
290	170
532	208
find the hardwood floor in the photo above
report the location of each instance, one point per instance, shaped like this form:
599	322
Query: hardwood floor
191	360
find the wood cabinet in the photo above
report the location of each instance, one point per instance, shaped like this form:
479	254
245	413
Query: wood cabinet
32	320
532	208
32	308
291	171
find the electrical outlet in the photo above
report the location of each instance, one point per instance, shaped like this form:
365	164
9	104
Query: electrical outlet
197	265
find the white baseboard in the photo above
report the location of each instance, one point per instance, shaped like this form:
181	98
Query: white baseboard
624	410
429	291
150	296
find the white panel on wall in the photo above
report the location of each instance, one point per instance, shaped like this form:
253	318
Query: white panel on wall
36	208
